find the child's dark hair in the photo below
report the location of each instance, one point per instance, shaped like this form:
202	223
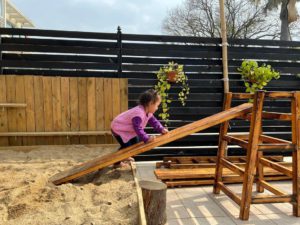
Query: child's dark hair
149	96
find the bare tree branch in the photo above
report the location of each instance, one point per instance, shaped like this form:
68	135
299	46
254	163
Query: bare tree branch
201	18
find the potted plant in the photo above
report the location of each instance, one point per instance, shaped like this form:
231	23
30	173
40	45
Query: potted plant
256	77
171	73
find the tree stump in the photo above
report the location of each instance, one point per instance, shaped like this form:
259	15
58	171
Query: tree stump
155	201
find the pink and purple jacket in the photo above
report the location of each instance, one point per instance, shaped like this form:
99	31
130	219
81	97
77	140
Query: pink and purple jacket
132	123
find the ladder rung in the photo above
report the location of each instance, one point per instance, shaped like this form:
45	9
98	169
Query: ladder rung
232	167
271	199
236	140
276	166
230	193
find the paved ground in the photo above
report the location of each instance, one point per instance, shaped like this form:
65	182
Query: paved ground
197	205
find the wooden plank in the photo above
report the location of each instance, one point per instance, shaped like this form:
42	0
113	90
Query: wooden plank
82	105
222	145
21	112
295	108
142	216
205	172
271	188
91	107
12	105
226	180
269	139
3	112
108	106
12	114
279	94
255	131
30	116
288	172
232	167
54	133
110	159
39	107
65	107
48	108
261	199
57	112
74	108
242	95
100	108
235	140
274	147
230	193
277	116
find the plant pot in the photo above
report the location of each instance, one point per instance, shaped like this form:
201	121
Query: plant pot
172	76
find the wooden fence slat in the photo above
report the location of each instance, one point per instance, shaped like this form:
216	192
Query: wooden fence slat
30	115
107	106
21	112
65	108
39	108
3	111
83	111
48	107
100	108
12	112
56	96
91	107
74	108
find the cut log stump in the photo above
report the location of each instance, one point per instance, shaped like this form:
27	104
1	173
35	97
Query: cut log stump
155	201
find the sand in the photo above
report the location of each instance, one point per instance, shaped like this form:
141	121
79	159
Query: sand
105	197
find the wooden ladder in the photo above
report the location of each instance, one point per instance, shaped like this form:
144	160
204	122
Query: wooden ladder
256	144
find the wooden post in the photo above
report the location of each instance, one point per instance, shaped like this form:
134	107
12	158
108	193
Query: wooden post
224	46
250	169
222	151
259	168
155	201
296	153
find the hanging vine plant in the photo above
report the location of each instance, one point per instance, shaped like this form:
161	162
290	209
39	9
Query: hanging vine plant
256	77
168	74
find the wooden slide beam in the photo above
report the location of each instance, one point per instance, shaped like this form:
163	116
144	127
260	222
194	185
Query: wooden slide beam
107	160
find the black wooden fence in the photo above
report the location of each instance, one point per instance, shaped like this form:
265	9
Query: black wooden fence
138	58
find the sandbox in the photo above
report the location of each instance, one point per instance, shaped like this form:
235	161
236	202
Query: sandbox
104	197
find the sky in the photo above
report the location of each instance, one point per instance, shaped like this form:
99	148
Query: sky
134	16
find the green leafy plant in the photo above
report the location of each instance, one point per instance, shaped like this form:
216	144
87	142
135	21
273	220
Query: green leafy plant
171	73
256	77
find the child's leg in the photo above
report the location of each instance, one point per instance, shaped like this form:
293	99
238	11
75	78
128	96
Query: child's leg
125	145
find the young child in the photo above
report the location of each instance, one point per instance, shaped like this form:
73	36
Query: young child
128	127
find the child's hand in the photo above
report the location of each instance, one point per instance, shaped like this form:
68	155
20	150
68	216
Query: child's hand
164	131
151	139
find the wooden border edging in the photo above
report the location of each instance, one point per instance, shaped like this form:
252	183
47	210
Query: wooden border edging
142	216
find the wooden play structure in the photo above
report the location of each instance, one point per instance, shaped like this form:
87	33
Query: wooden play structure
200	170
255	143
101	162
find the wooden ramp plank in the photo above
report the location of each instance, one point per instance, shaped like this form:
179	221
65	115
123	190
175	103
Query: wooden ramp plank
138	148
